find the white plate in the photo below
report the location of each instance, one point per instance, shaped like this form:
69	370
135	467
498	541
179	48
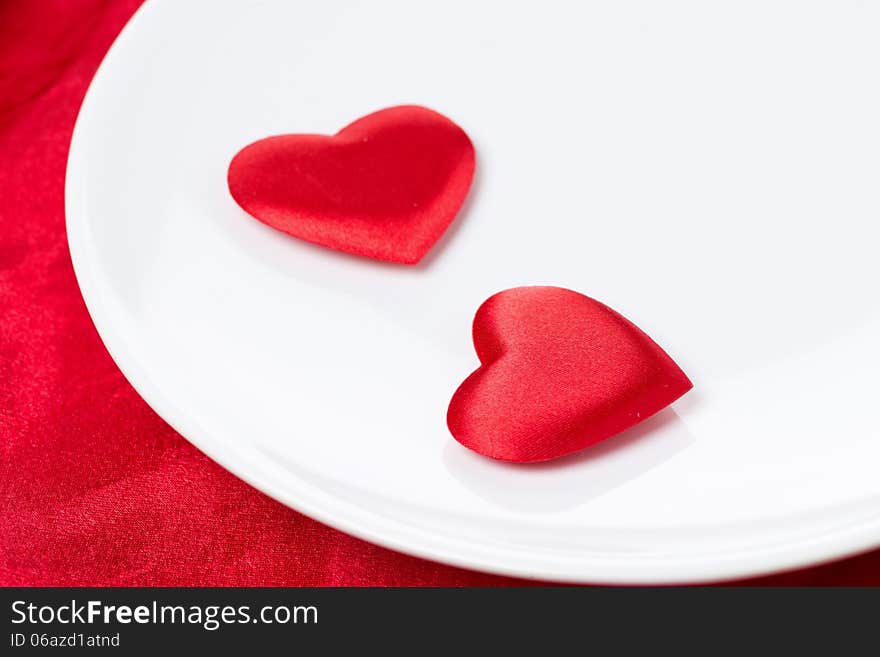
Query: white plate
708	169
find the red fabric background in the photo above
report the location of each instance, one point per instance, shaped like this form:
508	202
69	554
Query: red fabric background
95	489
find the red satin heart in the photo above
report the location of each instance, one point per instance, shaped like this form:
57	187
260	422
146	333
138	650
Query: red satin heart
385	186
560	372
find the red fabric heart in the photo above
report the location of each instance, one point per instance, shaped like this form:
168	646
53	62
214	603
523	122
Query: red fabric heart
560	371
385	186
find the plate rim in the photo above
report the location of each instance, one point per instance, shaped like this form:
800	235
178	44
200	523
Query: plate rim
391	533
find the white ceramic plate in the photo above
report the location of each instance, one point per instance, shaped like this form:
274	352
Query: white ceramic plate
711	170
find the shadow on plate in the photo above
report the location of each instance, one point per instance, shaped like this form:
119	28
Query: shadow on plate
572	480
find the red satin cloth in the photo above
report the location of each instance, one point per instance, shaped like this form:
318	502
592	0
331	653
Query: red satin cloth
95	489
385	186
559	372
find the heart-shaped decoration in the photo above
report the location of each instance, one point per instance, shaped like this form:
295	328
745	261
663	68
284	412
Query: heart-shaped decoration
560	372
385	186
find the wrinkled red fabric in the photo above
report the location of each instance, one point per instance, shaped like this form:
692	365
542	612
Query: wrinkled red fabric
560	372
385	186
95	489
